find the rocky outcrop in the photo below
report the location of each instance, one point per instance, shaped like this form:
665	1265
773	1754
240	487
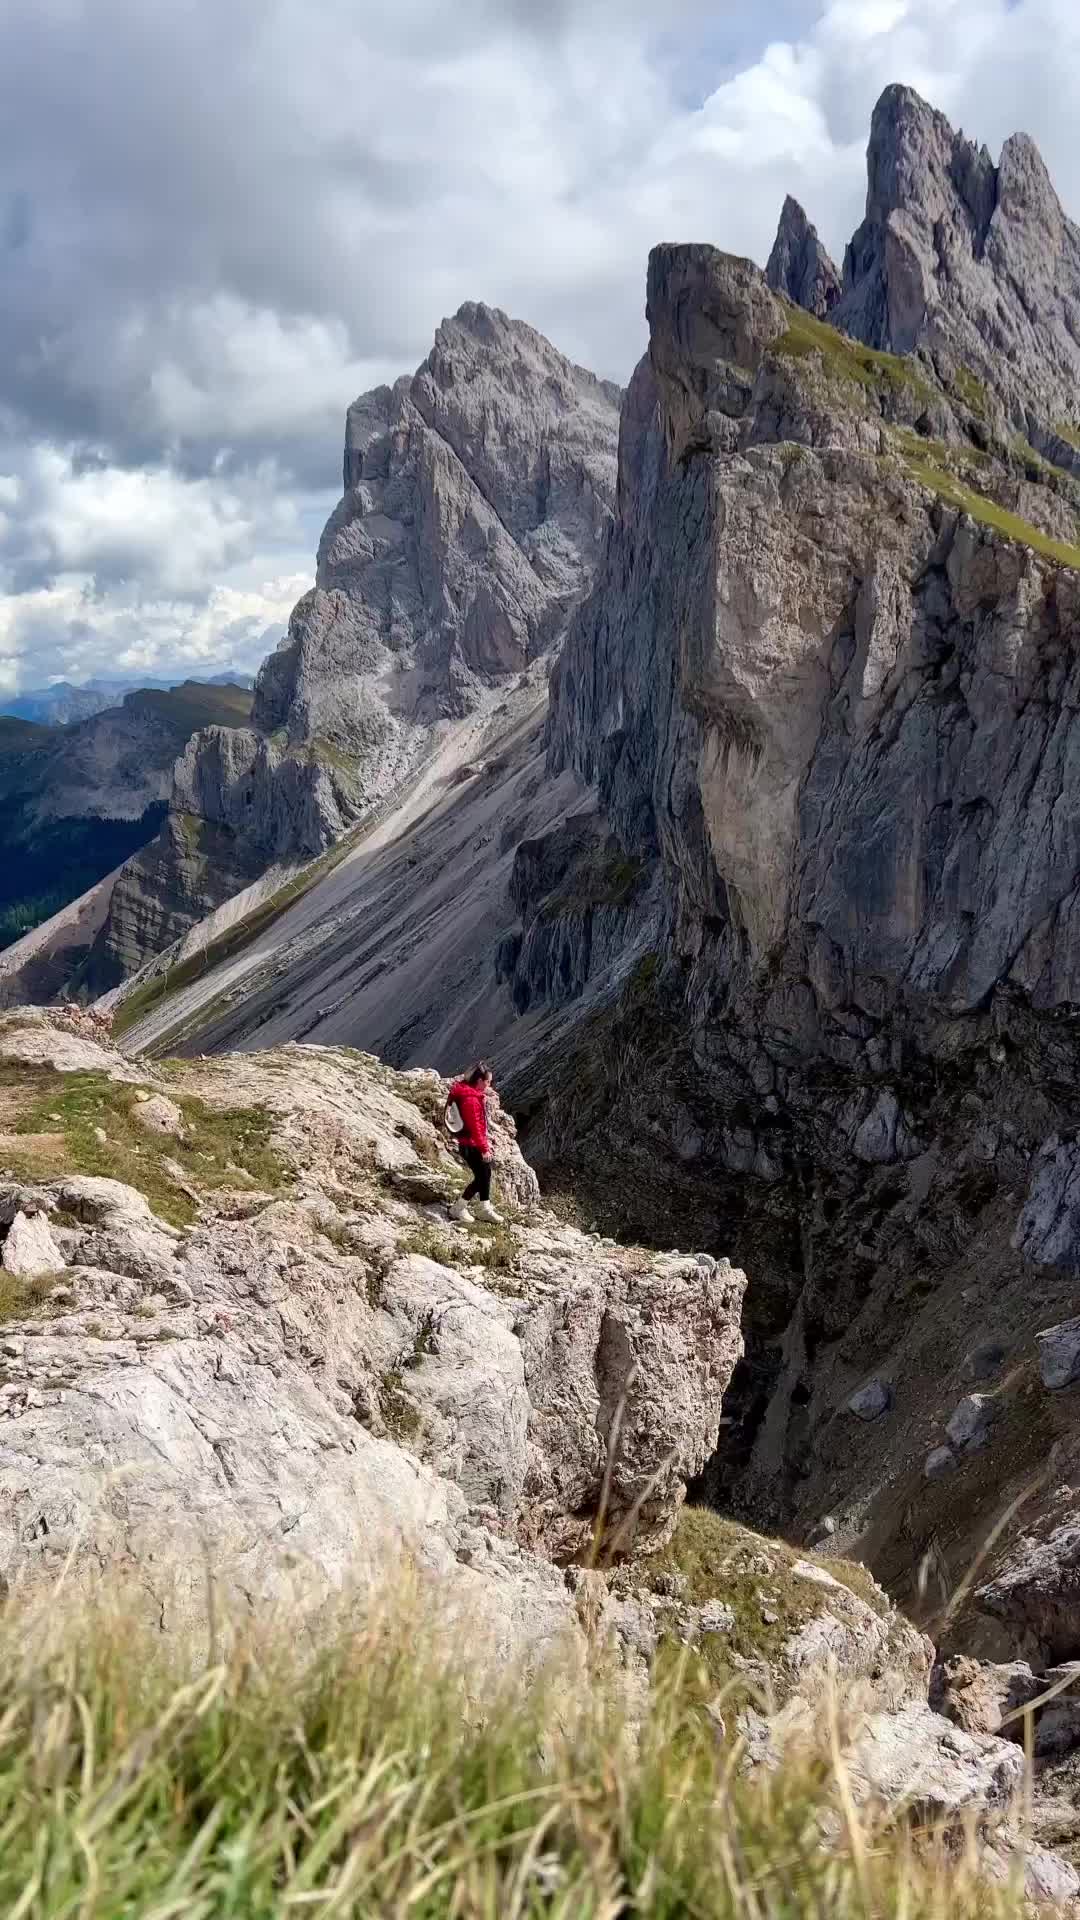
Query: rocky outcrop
957	253
254	1364
799	267
293	1366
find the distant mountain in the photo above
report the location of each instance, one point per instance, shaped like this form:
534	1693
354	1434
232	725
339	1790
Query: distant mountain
77	800
65	701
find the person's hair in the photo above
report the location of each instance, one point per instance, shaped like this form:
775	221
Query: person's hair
481	1071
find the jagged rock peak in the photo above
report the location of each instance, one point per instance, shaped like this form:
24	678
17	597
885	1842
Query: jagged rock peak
956	252
799	267
476	496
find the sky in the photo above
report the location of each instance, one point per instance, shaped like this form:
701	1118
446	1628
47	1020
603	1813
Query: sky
221	220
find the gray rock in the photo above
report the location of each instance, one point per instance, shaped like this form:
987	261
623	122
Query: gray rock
1048	1229
983	1697
939	1462
1059	1354
799	266
969	1428
250	1397
1035	1590
872	1400
957	250
715	1617
159	1115
1047	1877
917	1760
29	1248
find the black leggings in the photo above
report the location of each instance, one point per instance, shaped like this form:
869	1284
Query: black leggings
479	1187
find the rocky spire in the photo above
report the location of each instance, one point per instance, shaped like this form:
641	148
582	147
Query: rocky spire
956	252
799	266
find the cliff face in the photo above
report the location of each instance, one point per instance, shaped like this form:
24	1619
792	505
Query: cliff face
477	497
826	691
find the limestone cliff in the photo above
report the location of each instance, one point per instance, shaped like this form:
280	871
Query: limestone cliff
478	494
961	255
826	694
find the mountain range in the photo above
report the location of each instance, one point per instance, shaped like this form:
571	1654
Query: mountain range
708	755
58	704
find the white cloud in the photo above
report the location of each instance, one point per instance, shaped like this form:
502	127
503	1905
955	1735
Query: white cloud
225	221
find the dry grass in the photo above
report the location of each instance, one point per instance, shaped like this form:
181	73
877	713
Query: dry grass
349	1768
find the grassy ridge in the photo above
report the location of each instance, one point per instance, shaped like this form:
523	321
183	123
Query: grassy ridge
847	359
358	1770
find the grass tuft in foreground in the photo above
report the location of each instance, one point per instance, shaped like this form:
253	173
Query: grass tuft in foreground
348	1770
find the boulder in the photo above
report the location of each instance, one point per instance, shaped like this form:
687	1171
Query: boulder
985	1360
969	1427
982	1697
1035	1589
872	1400
29	1249
939	1462
158	1115
1059	1355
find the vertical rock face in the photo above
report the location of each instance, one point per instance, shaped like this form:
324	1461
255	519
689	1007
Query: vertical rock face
826	690
477	496
799	266
956	251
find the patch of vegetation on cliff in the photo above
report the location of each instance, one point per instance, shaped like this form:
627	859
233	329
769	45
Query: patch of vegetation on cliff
322	752
1068	431
987	512
356	1768
713	1558
56	1123
971	391
846	359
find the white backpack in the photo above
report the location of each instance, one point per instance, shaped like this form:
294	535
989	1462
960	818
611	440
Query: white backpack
452	1119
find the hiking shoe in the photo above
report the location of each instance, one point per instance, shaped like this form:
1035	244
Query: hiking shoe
485	1211
459	1211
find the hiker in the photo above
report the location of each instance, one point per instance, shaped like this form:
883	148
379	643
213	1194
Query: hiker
466	1118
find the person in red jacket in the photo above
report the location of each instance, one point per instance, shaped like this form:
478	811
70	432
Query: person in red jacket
469	1096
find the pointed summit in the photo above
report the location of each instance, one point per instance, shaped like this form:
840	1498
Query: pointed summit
956	252
799	266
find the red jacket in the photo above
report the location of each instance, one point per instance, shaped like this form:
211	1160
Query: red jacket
472	1102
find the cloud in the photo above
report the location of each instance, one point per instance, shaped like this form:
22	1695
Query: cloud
220	222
